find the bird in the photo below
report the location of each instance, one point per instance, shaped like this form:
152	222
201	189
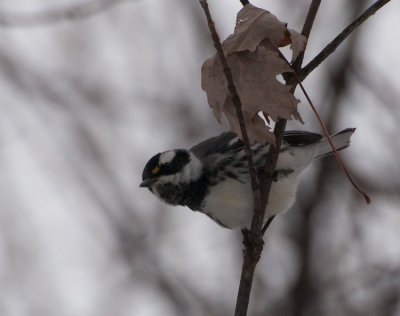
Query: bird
213	176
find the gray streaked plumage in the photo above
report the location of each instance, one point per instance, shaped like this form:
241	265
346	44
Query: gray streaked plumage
212	177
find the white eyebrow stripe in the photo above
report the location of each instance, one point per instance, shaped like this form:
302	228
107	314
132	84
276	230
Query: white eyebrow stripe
167	157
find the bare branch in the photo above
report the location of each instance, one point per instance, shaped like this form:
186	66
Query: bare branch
236	101
331	47
269	221
77	11
253	240
270	164
312	13
304	292
261	182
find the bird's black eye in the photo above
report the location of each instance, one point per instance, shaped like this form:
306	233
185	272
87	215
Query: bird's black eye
166	168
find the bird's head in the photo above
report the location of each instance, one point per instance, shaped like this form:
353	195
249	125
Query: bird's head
173	166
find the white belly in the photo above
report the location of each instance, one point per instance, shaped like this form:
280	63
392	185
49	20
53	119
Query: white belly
231	202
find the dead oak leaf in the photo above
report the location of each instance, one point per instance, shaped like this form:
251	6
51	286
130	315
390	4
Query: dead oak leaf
298	43
253	25
259	90
256	129
251	53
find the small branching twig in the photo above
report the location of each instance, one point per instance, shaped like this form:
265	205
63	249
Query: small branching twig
325	130
338	157
255	236
252	239
269	221
270	164
331	47
308	23
261	183
236	101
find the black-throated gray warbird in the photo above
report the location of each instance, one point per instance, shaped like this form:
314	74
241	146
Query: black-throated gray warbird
213	177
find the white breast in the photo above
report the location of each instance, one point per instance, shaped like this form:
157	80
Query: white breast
231	202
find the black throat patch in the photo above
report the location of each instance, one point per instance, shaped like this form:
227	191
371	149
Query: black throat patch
189	194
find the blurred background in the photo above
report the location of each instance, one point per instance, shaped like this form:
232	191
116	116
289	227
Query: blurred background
90	90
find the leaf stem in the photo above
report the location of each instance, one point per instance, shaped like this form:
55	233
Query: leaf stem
337	155
324	129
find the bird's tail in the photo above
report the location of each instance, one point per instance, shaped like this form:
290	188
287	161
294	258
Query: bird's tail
340	140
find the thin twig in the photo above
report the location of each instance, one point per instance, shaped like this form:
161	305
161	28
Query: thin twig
312	13
272	159
266	175
331	47
324	129
255	236
304	293
236	101
253	239
337	155
310	18
253	243
269	221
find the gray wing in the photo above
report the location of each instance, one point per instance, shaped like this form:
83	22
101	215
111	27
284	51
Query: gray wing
226	142
301	138
230	142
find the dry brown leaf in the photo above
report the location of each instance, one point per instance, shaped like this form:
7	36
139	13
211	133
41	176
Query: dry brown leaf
286	40
254	25
256	128
251	53
213	82
299	42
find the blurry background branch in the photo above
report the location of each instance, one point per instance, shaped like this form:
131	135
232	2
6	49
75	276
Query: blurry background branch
304	290
54	15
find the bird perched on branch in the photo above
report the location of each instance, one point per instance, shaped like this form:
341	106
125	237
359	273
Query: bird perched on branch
213	176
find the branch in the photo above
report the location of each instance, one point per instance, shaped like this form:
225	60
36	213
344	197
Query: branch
270	164
253	240
236	101
331	47
312	13
253	246
77	11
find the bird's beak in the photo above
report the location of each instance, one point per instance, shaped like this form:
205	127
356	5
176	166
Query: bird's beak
147	183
